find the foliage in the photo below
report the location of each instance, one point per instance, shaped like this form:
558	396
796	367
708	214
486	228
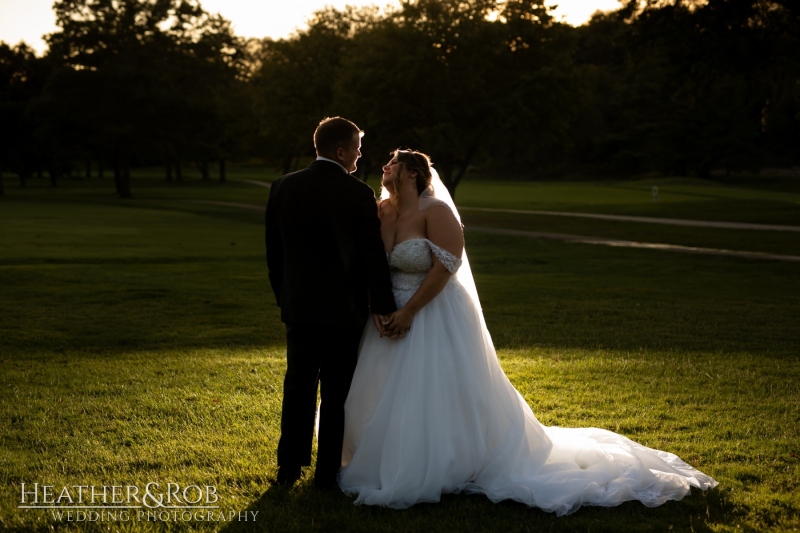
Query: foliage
140	78
441	77
22	77
685	87
485	86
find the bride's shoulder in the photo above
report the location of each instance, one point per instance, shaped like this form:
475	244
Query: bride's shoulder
444	229
439	212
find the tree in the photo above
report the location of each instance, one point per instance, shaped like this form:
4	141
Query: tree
688	87
440	76
141	76
22	77
294	82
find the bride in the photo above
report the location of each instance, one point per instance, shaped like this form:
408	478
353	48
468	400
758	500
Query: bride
433	413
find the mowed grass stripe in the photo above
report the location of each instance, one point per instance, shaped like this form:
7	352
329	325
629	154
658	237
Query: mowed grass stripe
583	239
645	220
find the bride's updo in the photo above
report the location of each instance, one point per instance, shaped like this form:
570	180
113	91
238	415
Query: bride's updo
412	161
417	162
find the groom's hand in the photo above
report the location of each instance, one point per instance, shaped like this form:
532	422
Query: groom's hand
380	320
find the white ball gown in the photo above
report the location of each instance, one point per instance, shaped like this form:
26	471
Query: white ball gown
434	413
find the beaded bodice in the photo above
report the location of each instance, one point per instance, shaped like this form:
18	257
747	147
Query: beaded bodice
410	261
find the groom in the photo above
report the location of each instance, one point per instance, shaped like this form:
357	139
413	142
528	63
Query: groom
327	267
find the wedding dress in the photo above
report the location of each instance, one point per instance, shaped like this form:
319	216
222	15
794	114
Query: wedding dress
434	413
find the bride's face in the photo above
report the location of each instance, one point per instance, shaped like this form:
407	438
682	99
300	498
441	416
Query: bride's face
391	172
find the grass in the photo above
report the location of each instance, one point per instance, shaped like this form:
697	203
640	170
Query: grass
139	342
755	200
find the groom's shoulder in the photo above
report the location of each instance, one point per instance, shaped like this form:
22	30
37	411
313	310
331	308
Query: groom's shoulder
361	189
296	173
335	181
315	170
358	183
291	179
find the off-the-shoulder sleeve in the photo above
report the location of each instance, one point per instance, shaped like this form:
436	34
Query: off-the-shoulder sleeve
450	262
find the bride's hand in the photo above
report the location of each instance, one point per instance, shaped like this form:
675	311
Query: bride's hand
399	323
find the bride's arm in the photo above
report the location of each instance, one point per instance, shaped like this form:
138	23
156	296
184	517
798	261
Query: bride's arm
445	232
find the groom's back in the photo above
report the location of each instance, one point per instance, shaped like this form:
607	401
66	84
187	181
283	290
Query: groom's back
325	224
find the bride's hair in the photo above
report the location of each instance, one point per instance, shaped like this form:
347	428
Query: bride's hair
416	161
413	161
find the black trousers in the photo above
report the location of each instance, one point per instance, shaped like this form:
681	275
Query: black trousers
324	356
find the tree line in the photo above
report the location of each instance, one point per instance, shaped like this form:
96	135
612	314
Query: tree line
494	87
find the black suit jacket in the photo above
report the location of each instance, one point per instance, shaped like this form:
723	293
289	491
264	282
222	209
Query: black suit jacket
325	255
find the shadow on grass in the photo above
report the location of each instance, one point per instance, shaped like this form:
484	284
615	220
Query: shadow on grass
108	261
305	509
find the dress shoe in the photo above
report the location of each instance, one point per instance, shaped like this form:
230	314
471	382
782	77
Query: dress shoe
326	485
287	475
326	482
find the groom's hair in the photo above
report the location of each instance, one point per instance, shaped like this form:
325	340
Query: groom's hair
333	133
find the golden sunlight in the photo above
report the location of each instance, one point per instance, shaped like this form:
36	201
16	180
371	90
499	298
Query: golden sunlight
29	20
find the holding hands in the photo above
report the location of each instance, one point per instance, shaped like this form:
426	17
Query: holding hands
394	326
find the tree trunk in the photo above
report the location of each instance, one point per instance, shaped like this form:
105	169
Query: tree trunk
53	172
222	170
178	172
450	165
446	166
203	166
116	168
2	191
88	168
124	181
100	169
287	163
39	170
124	186
462	170
451	188
169	172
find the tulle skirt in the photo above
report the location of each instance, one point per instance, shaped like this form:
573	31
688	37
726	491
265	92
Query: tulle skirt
434	413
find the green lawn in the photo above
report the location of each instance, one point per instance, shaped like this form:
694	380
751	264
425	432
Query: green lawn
139	342
755	200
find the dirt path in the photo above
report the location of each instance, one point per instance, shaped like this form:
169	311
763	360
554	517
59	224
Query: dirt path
251	207
623	218
646	220
584	239
635	244
264	184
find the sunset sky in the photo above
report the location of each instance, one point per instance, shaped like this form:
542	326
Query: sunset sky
28	20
